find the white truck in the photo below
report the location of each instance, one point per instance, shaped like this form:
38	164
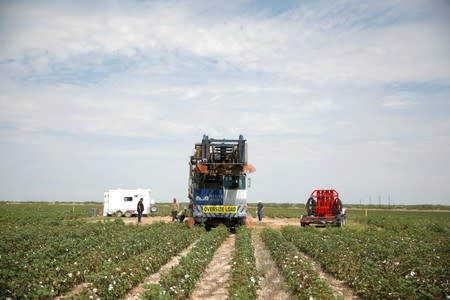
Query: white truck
123	202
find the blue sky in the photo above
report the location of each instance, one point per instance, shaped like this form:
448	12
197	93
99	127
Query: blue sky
329	94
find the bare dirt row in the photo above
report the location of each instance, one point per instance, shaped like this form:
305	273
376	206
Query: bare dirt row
214	282
139	290
340	289
272	283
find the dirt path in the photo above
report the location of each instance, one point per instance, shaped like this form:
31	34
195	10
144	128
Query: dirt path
272	283
214	282
267	222
276	222
139	290
72	294
148	220
339	288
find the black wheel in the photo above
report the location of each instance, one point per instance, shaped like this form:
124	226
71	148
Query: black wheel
310	206
128	214
337	206
241	221
340	222
119	213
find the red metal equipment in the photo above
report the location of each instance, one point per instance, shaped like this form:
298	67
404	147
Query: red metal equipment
324	207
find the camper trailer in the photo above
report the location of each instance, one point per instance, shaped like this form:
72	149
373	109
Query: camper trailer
124	202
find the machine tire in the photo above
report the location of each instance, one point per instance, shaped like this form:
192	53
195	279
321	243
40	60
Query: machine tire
341	221
310	206
128	214
337	206
119	213
242	221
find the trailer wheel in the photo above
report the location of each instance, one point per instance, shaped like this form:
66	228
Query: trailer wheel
311	206
337	206
341	222
128	214
153	209
119	213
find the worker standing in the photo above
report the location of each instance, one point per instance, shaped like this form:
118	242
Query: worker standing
140	209
174	209
259	210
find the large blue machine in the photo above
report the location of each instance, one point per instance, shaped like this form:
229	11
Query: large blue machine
218	181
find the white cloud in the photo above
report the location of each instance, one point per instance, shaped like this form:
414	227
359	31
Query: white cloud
398	101
117	88
312	43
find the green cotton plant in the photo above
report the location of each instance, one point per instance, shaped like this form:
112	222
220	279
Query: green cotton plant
381	264
41	260
243	283
116	278
302	280
178	282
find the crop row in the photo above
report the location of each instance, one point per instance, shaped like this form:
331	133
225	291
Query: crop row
58	263
42	261
178	282
244	274
429	221
302	280
380	264
113	280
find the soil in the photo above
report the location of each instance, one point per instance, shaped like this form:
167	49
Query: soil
272	283
276	222
139	290
266	222
214	282
339	288
75	291
148	220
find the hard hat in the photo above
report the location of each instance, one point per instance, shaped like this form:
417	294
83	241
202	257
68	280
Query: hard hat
259	201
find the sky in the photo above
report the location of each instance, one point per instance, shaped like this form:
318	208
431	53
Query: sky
348	95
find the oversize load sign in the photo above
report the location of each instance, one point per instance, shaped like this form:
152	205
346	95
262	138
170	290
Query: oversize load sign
217	209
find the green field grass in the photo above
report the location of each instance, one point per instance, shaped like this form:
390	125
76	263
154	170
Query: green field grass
49	247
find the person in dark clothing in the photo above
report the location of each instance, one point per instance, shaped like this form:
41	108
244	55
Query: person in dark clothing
140	209
181	215
259	210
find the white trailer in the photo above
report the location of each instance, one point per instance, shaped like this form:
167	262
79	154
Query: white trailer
123	202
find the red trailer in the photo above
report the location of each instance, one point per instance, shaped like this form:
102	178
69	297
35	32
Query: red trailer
324	208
